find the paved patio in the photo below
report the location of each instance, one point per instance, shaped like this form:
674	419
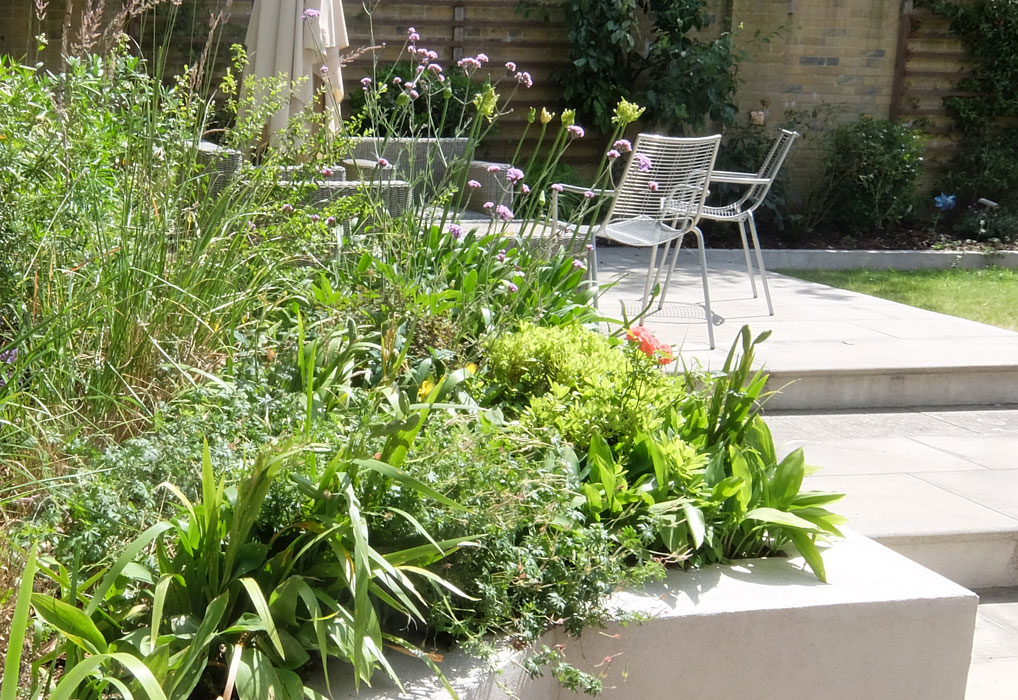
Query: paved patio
912	414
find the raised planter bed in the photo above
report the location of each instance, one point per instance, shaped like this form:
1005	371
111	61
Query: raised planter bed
884	627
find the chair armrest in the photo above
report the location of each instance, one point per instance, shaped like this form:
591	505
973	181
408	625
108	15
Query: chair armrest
576	189
738	178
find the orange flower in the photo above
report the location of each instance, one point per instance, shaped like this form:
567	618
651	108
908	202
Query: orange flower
650	345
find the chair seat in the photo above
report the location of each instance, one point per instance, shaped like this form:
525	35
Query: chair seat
640	231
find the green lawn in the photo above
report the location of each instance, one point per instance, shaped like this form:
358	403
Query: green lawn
989	295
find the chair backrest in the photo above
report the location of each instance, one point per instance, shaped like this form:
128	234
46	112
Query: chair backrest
769	169
662	190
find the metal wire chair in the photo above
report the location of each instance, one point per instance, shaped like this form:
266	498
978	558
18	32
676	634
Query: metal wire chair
658	201
741	210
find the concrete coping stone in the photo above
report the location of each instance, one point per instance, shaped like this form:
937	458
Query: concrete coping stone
870	259
883	627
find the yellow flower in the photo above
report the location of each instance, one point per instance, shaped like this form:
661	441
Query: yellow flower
626	112
546	116
426	386
486	101
471	368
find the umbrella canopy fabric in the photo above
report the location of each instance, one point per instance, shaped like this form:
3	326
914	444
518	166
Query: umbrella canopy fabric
301	40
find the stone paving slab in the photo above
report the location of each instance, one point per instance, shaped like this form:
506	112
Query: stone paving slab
993	674
828	347
938	486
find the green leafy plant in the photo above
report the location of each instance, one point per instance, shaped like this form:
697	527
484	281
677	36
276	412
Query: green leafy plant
231	601
871	168
682	78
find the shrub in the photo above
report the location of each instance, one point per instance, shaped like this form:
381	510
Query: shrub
580	383
870	172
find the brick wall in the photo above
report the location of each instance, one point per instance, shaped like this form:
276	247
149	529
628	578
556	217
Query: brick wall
826	54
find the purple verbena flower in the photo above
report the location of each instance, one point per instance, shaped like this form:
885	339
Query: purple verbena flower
397	80
613	154
331	221
414	94
623	145
487	205
557	187
514	175
310	14
483	58
504	212
324	70
525	189
435	68
473	183
579	264
286	208
493	168
653	186
512	287
643	163
576	131
589	194
456	231
327	171
468	62
412	35
365	81
316	218
383	163
525	78
500	256
590	246
510	66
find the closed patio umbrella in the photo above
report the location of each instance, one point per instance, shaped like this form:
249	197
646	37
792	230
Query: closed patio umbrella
299	39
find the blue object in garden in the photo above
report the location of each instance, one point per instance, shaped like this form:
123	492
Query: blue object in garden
944	202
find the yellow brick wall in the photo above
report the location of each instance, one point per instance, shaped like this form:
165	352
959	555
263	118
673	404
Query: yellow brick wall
835	55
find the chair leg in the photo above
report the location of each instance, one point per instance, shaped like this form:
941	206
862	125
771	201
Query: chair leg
650	274
671	269
759	264
706	290
745	251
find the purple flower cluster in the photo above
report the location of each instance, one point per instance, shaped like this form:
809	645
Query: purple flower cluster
9	357
473	183
575	130
623	145
500	256
514	175
643	163
456	231
504	212
310	14
525	79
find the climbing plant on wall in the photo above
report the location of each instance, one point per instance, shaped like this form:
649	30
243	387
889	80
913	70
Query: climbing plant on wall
646	51
985	114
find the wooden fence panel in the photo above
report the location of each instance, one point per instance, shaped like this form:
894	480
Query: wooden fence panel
458	28
931	61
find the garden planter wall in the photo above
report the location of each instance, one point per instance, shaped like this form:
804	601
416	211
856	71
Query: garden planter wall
409	157
884	627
